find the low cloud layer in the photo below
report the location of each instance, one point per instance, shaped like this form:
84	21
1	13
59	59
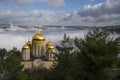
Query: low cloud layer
106	13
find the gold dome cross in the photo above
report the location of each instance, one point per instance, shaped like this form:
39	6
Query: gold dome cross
39	28
38	32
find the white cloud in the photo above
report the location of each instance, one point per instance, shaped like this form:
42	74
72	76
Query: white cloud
30	17
106	13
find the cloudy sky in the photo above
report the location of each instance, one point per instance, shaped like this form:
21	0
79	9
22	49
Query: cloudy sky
60	12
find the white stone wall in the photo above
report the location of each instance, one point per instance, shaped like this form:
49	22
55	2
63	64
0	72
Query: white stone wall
37	63
38	49
26	54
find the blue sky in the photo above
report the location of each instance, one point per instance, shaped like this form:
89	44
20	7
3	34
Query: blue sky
60	12
68	5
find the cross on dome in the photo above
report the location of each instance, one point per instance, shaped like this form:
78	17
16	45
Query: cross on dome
38	36
39	28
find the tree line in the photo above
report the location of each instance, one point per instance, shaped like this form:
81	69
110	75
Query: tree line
94	57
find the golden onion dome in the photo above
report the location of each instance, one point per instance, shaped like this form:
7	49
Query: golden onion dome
49	45
26	46
38	37
28	43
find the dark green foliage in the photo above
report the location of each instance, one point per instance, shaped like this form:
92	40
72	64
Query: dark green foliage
3	53
10	66
91	58
97	54
16	53
43	74
64	67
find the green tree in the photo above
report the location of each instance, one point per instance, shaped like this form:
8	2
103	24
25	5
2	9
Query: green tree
10	66
16	53
96	55
41	74
64	68
3	53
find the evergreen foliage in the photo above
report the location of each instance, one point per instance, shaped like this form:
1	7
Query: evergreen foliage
91	58
97	54
10	66
65	62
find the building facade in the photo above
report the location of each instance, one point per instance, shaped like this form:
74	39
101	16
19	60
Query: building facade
38	53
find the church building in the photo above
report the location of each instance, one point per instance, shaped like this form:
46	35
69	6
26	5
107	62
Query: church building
38	53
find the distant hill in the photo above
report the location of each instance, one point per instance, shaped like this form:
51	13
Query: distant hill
113	28
11	27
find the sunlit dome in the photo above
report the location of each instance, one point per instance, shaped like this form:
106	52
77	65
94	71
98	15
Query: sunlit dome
49	45
38	36
26	46
29	43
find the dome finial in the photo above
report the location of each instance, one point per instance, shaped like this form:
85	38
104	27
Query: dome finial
38	28
26	46
38	36
49	40
29	38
